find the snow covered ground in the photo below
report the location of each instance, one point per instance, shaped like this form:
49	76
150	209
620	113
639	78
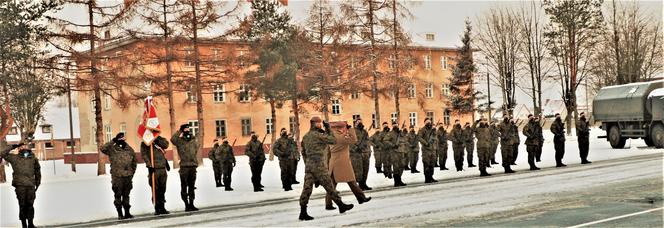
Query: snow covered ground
67	197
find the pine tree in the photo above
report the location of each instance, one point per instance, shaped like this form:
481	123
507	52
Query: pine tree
463	96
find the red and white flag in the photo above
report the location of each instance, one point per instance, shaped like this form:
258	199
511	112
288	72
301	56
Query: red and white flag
149	129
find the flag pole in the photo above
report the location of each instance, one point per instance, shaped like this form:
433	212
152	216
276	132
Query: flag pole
154	186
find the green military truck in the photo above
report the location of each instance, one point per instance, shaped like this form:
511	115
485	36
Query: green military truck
632	111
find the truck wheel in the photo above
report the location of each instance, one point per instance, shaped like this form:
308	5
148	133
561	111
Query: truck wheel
617	142
657	136
648	141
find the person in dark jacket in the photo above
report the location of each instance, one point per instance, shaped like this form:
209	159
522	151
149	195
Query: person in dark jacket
158	169
227	158
123	167
217	165
442	147
506	144
532	140
26	180
285	153
558	130
456	136
483	133
256	153
583	136
187	147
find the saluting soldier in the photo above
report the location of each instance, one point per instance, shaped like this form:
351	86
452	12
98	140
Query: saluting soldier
427	137
314	150
583	136
254	150
540	138
158	171
442	147
532	140
187	147
483	146
469	142
377	144
217	165
26	179
399	156
495	140
506	144
123	167
360	154
558	130
295	157
456	136
414	153
516	140
283	151
226	157
390	147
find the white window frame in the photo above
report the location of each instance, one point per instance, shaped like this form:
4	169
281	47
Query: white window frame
123	127
427	62
240	57
447	116
355	95
269	125
193	127
216	57
188	60
245	128
107	102
220	129
108	132
336	107
391	62
218	93
432	116
374	121
429	90
412	91
191	94
244	94
430	37
393	117
291	123
412	118
445	89
443	62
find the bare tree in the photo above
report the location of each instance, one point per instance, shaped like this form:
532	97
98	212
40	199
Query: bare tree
499	39
400	61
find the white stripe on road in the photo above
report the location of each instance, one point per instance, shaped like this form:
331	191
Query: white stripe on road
616	218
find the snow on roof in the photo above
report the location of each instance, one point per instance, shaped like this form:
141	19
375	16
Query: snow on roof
57	115
657	93
634	84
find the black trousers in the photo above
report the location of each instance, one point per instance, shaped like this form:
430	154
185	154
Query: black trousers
187	182
160	176
121	188
256	172
228	171
26	200
583	148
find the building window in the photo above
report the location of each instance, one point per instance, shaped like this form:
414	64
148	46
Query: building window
244	93
107	102
188	56
92	106
430	37
355	95
443	62
13	131
374	122
269	125
240	58
393	117
391	62
48	145
291	124
336	107
446	117
191	94
218	92
246	126
220	128
445	89
69	144
108	132
430	116
123	128
412	118
411	91
46	129
93	136
429	90
427	62
355	117
216	58
193	127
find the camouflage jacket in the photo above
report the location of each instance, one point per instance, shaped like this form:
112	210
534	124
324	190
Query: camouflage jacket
27	171
427	137
558	130
224	153
582	129
314	148
403	143
377	140
495	135
456	136
158	146
293	148
530	131
390	140
505	133
515	134
442	137
469	133
282	149
123	160
255	151
414	143
483	133
362	145
187	149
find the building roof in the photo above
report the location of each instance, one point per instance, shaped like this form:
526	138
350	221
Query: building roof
57	115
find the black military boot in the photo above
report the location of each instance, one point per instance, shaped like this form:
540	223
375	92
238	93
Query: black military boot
295	181
160	209
366	187
24	223
330	207
406	168
379	170
344	207
303	214
401	183
366	199
186	204
508	169
127	215
483	173
414	171
30	223
119	210
227	186
493	162
191	205
218	183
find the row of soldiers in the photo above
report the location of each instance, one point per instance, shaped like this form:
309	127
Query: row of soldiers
395	150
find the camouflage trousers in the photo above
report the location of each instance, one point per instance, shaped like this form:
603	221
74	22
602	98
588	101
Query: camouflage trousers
256	167
493	150
187	182
538	154
121	187
366	163
515	152
356	159
458	156
442	154
413	157
316	172
470	148
484	155
26	199
287	167
378	157
506	152
428	161
294	170
532	153
398	163
160	176
218	168
387	161
227	171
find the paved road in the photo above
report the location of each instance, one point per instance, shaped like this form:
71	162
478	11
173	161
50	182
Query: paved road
568	196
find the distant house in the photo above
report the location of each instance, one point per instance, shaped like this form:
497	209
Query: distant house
52	136
551	107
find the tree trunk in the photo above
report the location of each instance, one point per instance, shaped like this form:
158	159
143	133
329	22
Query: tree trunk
199	89
169	78
374	67
99	135
273	136
3	145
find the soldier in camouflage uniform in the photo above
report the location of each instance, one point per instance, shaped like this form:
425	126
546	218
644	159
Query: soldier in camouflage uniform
516	140
532	140
442	147
558	130
469	142
123	167
427	137
483	146
414	153
158	170
254	150
187	147
295	157
540	139
26	179
360	154
583	137
314	151
506	144
224	154
390	147
495	140
283	151
399	156
217	165
381	154
456	136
